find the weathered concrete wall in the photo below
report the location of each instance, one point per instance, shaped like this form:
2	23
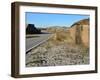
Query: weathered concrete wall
80	34
72	31
85	35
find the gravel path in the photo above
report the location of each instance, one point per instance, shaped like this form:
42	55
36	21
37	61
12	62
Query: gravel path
57	55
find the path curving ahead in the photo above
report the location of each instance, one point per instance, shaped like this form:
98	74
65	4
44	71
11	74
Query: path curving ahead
35	41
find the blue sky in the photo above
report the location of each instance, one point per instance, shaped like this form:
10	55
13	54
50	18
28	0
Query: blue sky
46	19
